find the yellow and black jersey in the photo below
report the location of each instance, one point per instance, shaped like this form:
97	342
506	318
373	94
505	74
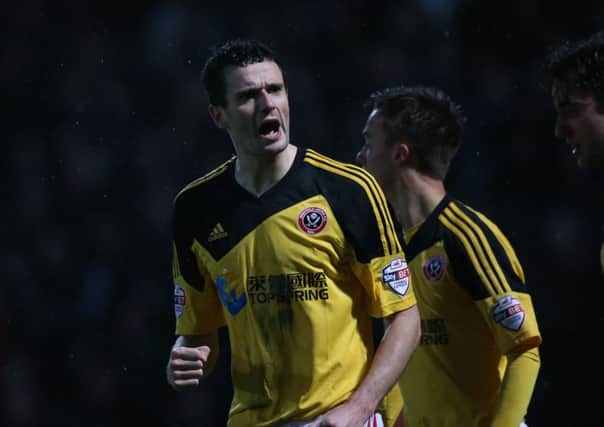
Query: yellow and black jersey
475	308
296	275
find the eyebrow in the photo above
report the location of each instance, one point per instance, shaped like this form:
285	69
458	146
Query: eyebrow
569	100
247	89
255	88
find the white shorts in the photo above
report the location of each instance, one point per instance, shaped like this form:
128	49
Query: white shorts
374	421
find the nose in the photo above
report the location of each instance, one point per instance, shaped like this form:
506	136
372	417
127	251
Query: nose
359	159
266	100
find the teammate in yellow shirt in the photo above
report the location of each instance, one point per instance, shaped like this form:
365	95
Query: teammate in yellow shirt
577	73
294	253
478	358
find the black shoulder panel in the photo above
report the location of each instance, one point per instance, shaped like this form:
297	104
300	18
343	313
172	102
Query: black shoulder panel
359	205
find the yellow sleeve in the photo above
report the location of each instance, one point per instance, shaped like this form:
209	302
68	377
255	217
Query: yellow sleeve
512	320
517	388
196	303
388	284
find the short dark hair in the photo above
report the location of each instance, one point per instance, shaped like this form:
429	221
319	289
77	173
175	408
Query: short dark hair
237	53
425	118
579	64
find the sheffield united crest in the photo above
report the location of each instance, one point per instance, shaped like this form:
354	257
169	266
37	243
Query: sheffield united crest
434	268
312	220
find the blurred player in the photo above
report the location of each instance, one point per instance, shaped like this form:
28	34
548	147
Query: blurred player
478	358
577	73
294	253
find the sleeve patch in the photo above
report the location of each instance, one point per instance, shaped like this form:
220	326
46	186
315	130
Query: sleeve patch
180	300
396	276
508	312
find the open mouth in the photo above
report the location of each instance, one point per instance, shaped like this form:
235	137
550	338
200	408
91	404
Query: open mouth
269	128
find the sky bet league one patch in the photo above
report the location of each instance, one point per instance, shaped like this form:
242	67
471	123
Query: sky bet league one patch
508	312
396	276
180	300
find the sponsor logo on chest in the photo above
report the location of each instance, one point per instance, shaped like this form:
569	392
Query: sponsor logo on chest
434	332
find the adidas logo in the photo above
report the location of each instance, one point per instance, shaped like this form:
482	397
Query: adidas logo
217	233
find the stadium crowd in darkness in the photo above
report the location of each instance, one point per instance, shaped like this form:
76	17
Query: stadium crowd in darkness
105	120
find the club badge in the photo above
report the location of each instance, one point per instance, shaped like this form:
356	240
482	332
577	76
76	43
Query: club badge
434	268
312	220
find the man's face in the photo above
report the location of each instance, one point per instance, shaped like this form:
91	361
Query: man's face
256	113
580	125
376	155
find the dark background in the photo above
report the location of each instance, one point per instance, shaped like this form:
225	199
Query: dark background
104	120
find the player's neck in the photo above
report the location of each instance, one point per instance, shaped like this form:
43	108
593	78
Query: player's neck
258	174
417	197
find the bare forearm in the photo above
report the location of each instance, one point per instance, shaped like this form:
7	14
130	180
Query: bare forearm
393	353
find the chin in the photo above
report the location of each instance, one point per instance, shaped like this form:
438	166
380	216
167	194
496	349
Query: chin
275	147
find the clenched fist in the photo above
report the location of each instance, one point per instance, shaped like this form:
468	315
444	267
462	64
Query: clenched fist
186	366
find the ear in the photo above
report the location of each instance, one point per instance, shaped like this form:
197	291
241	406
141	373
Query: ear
402	153
217	114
